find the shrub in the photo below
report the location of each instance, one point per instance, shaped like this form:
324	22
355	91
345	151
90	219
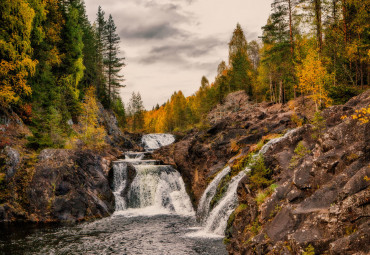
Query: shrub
310	250
262	195
300	151
319	125
295	119
260	175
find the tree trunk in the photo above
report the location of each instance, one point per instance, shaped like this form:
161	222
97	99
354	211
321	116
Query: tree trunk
281	92
345	28
271	88
291	27
317	6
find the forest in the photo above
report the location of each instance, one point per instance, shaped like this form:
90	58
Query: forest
312	48
57	69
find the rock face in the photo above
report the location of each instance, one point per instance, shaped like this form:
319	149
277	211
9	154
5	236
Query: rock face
322	199
63	185
116	137
238	123
57	185
12	161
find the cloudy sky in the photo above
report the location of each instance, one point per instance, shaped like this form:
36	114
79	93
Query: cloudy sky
170	44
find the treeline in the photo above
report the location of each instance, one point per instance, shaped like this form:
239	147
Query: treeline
314	48
52	62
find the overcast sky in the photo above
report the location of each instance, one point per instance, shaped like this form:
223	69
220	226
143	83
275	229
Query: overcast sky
170	44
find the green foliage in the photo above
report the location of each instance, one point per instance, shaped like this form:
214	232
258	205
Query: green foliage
136	112
262	195
259	176
231	219
319	125
341	93
113	63
224	184
255	228
299	152
119	109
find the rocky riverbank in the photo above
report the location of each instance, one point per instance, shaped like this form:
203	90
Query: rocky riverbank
58	185
319	203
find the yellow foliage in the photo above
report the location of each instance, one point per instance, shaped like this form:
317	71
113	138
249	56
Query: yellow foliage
91	133
15	49
312	79
362	115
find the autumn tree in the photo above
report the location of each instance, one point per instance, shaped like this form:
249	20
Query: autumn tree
313	77
15	51
92	133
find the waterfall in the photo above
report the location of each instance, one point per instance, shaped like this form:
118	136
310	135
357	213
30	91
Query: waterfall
215	221
141	183
153	142
119	184
208	194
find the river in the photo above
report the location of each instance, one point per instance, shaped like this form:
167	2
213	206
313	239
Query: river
118	234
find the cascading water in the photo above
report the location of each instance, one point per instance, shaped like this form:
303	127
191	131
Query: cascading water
204	203
215	221
153	142
152	186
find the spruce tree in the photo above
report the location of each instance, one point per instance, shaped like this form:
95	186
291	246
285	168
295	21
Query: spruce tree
239	62
101	37
112	61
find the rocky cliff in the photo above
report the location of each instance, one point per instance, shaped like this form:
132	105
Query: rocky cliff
319	203
56	185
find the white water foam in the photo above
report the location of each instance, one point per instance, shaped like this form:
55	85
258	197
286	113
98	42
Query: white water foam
215	224
208	194
153	142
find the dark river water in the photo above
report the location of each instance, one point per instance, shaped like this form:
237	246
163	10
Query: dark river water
159	234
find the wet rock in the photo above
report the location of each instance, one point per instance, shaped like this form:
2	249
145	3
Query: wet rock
69	186
12	161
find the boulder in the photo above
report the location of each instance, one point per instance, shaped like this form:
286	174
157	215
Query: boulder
12	161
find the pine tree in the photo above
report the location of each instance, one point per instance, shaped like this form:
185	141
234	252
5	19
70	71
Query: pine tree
136	111
101	38
112	61
47	125
240	77
277	54
72	67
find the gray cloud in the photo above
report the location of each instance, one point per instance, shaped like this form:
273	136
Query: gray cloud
182	53
170	44
151	31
